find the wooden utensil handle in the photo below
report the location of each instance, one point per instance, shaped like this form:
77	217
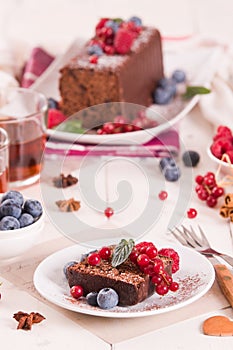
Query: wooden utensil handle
225	281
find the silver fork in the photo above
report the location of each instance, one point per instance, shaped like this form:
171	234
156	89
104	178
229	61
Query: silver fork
189	238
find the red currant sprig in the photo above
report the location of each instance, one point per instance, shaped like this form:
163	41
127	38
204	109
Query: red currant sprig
145	255
207	189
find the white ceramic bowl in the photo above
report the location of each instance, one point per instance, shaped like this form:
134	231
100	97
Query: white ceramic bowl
14	243
225	167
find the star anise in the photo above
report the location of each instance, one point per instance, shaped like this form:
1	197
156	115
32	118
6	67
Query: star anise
26	320
63	181
68	205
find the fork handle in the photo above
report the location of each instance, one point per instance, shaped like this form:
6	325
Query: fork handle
227	258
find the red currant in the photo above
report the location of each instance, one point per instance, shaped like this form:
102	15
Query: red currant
76	291
149	270
105	253
174	286
151	252
94	259
199	179
211	201
156	279
202	194
158	265
163	195
134	255
191	213
108	128
108	212
217	192
162	288
143	260
93	59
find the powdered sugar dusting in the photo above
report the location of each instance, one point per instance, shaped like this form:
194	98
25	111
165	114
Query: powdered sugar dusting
143	38
113	61
188	288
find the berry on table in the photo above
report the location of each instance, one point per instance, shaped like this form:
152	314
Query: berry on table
163	195
191	158
76	291
108	212
169	169
191	213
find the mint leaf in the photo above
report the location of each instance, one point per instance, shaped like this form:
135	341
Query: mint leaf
122	251
191	91
74	126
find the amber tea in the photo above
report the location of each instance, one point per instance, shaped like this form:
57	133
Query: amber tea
22	115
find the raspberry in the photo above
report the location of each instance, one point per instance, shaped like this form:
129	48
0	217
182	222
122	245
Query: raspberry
101	23
230	154
223	131
55	117
123	41
221	146
171	253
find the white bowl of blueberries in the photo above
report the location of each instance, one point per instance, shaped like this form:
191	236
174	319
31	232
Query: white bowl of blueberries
21	222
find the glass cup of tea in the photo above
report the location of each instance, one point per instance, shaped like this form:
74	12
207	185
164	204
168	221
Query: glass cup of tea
4	161
22	116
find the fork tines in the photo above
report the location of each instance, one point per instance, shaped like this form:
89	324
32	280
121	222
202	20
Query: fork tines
189	238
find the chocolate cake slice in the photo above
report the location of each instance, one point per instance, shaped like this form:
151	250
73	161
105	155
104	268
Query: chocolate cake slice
130	283
130	78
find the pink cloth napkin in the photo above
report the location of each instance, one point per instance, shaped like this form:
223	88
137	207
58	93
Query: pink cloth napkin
165	145
37	63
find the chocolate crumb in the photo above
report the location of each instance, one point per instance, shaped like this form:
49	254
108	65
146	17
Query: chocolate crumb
63	181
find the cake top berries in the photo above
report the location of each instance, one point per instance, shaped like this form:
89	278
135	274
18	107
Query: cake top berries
113	36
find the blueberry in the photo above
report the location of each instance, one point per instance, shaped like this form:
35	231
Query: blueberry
179	76
9	223
10	208
25	220
112	24
162	96
107	298
137	21
167	84
15	195
191	158
169	169
92	298
95	49
52	103
33	207
166	161
70	263
171	174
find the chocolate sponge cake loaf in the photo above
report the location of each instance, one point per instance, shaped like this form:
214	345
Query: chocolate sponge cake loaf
131	282
126	69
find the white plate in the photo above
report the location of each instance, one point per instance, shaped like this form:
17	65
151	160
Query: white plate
192	61
195	278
